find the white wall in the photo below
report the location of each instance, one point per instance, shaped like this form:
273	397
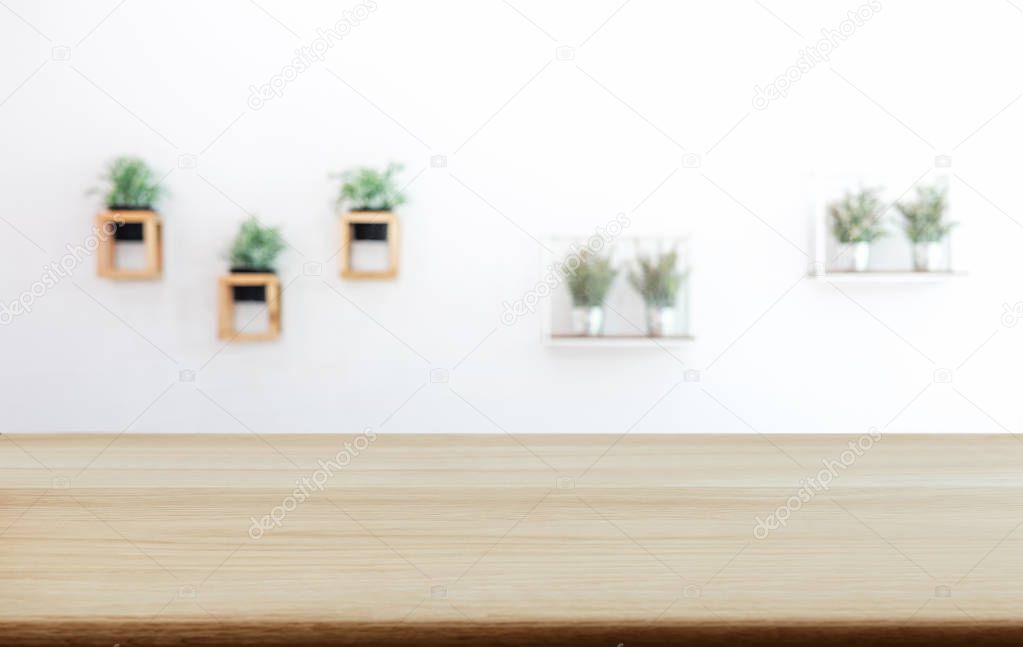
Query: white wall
535	147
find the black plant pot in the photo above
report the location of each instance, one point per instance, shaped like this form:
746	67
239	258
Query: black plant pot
128	231
249	292
369	231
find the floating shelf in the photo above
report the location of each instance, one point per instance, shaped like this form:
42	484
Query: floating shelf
867	277
625	313
618	341
226	306
349	222
891	257
152	239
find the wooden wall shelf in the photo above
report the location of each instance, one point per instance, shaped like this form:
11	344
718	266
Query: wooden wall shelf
226	306
152	239
348	222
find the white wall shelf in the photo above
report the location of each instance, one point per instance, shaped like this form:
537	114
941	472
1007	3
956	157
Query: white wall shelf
625	315
891	257
888	276
619	341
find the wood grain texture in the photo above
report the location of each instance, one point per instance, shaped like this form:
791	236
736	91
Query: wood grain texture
434	539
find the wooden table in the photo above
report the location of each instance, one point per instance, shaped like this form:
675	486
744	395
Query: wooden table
489	539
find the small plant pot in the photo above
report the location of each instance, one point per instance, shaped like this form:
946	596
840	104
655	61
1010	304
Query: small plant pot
128	231
249	292
860	256
660	320
927	256
369	231
588	321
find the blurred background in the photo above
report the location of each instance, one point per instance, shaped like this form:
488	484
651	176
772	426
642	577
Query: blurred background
516	122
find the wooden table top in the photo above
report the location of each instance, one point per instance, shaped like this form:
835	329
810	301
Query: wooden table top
157	539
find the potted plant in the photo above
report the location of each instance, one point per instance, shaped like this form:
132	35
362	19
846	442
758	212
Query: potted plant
366	190
254	251
926	226
132	187
658	280
589	276
856	223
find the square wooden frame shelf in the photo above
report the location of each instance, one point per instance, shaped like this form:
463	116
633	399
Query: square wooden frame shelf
152	239
348	222
225	306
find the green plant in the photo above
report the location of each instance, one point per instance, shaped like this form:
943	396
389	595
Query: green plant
924	219
857	217
133	185
256	247
658	279
589	276
366	189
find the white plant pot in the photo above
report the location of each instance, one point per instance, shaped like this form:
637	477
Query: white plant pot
927	257
660	321
588	321
861	256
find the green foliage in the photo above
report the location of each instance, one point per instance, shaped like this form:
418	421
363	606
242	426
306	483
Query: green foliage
366	189
133	184
658	279
924	219
589	276
857	217
256	247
